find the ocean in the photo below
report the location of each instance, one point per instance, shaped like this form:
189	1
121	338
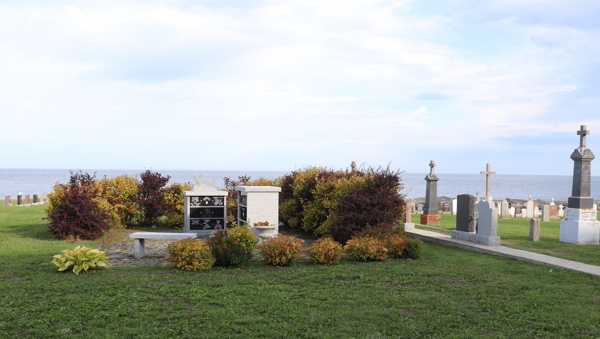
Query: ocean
545	187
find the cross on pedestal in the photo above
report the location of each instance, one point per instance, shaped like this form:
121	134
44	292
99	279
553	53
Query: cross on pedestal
583	132
488	181
432	167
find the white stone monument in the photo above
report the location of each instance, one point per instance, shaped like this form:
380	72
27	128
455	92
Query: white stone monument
486	228
454	206
512	211
523	213
529	207
259	204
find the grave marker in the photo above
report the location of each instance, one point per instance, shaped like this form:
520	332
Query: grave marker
534	230
7	200
546	213
465	217
579	225
430	217
504	214
529	208
488	181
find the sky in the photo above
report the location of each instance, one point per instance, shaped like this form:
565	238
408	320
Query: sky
279	85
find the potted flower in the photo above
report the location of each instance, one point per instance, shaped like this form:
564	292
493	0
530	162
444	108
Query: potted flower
264	230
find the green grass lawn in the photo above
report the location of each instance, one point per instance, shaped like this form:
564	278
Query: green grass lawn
514	232
449	293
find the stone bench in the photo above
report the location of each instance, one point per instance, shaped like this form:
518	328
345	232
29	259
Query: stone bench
140	250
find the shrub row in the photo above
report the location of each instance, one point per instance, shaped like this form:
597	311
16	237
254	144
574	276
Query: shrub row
340	203
234	248
86	207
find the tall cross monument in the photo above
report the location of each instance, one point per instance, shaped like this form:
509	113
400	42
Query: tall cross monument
488	181
579	225
429	216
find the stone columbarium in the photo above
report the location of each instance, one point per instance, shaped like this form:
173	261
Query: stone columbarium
579	225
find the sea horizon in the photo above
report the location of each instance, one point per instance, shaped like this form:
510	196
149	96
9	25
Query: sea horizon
513	186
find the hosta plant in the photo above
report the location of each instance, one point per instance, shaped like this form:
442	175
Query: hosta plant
281	250
325	251
191	255
80	258
366	248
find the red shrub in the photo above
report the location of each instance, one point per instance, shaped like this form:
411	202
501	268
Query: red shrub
151	195
78	215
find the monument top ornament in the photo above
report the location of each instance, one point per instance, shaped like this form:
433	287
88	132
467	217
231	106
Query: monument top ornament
203	185
432	176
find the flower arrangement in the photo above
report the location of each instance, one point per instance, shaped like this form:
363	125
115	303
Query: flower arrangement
261	223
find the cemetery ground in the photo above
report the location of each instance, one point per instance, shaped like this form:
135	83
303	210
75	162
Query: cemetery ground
448	293
514	232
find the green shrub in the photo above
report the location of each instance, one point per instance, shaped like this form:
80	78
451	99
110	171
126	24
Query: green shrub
340	203
281	250
414	248
325	251
244	236
366	249
173	201
228	251
191	255
80	258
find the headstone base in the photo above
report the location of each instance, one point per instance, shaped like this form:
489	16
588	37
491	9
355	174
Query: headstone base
430	219
580	227
409	226
460	235
485	240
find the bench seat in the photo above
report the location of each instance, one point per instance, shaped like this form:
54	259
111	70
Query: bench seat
140	250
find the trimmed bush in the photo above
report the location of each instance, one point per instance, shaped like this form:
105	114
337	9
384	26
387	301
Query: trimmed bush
119	196
191	255
393	237
228	251
414	248
281	250
366	249
244	236
80	258
77	214
325	251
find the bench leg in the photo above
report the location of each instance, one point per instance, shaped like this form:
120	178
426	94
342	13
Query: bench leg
140	250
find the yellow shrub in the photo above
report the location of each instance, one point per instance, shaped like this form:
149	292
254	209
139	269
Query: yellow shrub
55	198
366	248
191	255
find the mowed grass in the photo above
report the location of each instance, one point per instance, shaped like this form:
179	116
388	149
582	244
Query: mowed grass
448	293
514	232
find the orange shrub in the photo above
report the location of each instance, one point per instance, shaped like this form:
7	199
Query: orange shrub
325	251
281	250
396	244
366	248
191	255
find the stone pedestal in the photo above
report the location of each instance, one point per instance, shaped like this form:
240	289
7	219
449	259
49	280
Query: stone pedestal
579	226
430	219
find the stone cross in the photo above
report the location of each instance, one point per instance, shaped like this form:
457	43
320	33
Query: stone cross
432	167
583	132
488	180
530	197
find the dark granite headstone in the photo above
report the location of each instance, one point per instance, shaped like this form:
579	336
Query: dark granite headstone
431	190
465	213
36	198
19	199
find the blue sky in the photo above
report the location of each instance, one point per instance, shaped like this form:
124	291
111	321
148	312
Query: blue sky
275	85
